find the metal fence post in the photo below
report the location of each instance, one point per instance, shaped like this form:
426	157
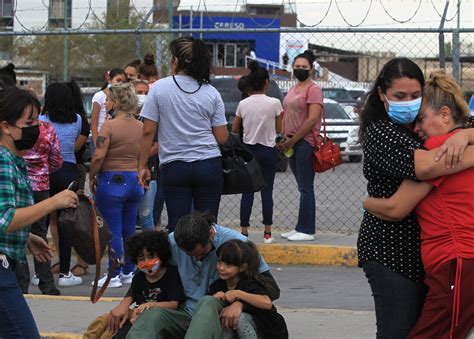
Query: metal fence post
456	56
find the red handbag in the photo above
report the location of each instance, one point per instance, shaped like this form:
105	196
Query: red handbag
327	154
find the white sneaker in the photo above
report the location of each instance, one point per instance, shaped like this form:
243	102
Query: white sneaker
126	278
35	280
69	280
268	239
298	236
113	283
288	234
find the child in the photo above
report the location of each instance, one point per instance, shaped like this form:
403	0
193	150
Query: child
237	265
155	284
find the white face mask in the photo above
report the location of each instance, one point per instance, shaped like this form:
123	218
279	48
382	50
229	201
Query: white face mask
141	100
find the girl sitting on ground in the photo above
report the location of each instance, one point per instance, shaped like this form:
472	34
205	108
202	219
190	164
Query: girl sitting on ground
445	211
154	285
240	280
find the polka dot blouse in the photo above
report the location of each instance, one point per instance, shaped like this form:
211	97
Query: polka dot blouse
389	158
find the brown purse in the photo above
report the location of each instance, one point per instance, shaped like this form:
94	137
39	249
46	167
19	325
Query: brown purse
89	235
327	154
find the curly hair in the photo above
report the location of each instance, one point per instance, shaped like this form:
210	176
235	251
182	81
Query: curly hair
154	242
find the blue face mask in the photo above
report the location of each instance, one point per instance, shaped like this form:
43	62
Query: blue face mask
403	112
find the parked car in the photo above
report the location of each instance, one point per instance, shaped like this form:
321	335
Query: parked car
340	95
356	93
343	130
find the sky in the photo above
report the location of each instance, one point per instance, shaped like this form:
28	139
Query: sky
32	14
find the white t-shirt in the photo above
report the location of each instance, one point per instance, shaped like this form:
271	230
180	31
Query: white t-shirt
185	120
258	113
100	98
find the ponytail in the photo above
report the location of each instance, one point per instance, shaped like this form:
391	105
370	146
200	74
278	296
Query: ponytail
193	58
258	76
442	90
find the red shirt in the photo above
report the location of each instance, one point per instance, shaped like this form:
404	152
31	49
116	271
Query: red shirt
446	216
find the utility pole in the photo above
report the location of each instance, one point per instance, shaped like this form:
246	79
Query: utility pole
457	47
65	55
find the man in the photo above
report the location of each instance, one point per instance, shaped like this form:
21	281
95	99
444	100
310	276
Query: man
193	246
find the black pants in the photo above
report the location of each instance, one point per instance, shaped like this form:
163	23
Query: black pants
59	181
398	300
43	269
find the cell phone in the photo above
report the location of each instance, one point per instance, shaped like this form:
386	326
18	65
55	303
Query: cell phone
279	138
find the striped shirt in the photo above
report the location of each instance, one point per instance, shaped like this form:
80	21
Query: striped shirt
15	192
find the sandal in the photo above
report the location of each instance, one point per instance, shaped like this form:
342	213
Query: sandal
79	270
55	268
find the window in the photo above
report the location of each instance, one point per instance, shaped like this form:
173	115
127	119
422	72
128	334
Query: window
6	8
56	12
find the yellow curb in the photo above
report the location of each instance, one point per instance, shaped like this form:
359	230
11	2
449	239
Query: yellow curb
302	254
60	335
69	298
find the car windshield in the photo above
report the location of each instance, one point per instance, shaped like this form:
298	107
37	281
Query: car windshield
335	111
356	93
336	94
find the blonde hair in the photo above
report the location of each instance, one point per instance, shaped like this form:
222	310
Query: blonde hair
125	97
442	90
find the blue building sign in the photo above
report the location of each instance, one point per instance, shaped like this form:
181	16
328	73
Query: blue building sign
229	49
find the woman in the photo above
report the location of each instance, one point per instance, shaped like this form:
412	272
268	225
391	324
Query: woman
99	112
260	116
147	70
114	171
145	210
131	70
58	110
446	216
19	132
303	106
189	114
389	252
41	160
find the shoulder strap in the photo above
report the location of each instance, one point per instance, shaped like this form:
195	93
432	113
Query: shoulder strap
95	296
324	118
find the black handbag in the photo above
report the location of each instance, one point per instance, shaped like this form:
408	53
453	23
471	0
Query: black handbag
242	172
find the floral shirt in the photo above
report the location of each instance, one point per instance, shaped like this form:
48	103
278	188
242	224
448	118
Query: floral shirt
44	158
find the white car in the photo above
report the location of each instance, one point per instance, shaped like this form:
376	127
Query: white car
343	130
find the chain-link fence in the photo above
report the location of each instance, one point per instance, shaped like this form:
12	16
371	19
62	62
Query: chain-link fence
350	60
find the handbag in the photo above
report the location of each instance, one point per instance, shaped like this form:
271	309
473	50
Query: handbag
89	235
326	153
242	172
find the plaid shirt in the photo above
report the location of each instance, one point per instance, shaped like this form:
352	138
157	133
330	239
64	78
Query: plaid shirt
15	192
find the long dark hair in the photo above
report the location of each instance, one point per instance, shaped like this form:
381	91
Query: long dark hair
193	58
257	77
243	253
58	104
77	103
374	108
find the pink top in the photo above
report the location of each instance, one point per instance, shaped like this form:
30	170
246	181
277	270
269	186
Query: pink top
44	158
295	108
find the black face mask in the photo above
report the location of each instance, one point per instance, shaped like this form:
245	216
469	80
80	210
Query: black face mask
29	136
301	74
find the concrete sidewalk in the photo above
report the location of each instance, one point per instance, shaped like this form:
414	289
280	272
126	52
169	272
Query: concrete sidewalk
68	317
327	249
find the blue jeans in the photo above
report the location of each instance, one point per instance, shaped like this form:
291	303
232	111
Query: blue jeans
59	181
159	199
118	196
145	210
16	320
301	164
398	300
187	184
267	158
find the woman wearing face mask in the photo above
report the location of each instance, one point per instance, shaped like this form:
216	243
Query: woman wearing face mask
19	132
445	210
99	112
389	251
113	176
145	210
189	114
303	106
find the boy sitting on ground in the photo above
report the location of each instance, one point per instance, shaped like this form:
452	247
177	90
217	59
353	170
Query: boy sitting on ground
155	284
